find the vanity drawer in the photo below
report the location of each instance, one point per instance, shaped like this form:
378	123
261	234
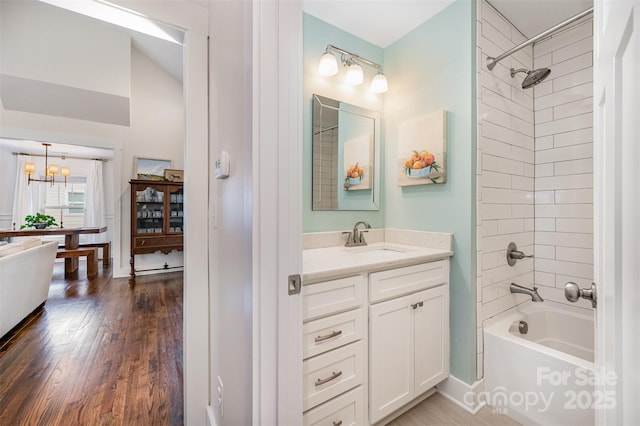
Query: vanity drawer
331	374
344	410
330	297
397	282
328	333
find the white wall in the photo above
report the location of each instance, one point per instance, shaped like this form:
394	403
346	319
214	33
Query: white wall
505	168
230	237
564	162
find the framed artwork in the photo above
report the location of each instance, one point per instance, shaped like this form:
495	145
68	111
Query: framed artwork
150	168
173	175
422	150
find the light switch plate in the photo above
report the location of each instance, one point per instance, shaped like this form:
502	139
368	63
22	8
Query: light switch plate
223	166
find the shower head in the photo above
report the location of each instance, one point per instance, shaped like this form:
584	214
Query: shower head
533	77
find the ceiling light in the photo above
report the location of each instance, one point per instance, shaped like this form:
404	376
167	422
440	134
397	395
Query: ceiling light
354	74
328	65
50	170
379	83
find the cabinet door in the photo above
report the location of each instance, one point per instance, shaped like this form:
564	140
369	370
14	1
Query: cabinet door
390	356
175	210
431	338
148	211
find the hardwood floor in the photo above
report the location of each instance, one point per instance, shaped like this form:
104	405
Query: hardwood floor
100	353
438	410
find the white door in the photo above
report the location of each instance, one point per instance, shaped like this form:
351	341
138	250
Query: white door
617	212
391	354
431	338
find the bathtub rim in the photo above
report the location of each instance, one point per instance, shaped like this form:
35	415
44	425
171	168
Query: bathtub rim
499	327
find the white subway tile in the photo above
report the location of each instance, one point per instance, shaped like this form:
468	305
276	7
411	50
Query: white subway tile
490	15
487	113
563	267
524	127
544	278
544	197
571	152
541	89
489	48
490	32
565	182
569	66
574	196
522	154
546	252
494	147
563	39
573	138
584	165
522	210
567	124
505	196
579	211
573	254
507	105
489	293
513	167
544	170
584	226
545	224
510	226
495	211
543	61
578	107
490	162
529	225
496	180
561	280
522	98
490	81
564	96
529	170
565	239
557	295
489	227
544	115
502	304
522	182
574	79
492	260
509	136
573	50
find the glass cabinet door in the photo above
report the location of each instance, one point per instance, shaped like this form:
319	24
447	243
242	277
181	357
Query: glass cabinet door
176	209
149	211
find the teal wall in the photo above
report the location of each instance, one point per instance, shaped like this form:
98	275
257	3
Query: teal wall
432	68
317	35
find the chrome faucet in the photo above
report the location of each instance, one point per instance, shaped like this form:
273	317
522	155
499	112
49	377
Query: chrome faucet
356	237
535	297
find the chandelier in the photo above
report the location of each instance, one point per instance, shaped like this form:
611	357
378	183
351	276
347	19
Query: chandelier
51	170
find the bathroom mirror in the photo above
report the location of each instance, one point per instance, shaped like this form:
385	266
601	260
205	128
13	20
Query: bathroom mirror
346	156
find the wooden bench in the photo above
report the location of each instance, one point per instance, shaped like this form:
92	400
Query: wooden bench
92	258
106	251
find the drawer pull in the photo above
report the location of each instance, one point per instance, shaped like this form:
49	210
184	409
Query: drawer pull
414	305
338	423
421	304
328	336
333	376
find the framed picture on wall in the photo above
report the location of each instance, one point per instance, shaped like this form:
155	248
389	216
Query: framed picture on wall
173	175
150	168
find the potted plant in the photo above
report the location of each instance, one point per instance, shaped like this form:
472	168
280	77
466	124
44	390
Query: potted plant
38	221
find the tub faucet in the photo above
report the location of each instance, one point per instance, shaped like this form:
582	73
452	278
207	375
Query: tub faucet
535	297
356	238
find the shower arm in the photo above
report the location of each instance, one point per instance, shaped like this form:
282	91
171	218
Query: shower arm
491	62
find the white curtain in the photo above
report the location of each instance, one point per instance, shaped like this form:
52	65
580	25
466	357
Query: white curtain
27	199
94	201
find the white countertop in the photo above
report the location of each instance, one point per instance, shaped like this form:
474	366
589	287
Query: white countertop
319	264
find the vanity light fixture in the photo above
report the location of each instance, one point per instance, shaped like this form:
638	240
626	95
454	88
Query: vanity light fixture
329	67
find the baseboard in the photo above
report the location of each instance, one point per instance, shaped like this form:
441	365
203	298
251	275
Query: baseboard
211	418
466	396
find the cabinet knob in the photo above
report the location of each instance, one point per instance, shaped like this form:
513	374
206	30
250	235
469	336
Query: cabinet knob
338	423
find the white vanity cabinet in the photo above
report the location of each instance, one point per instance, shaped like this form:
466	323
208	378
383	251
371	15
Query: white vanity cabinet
408	336
334	353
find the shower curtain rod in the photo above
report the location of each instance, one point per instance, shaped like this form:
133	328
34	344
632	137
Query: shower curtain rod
491	62
104	160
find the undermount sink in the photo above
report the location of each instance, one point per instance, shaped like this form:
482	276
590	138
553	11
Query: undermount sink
374	251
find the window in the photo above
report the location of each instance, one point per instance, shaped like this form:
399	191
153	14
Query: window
66	203
75	201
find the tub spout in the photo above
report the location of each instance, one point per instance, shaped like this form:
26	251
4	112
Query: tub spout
533	292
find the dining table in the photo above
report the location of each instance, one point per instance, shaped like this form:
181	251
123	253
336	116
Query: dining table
71	240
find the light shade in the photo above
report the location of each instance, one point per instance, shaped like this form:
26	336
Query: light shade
29	168
354	74
52	170
379	83
328	65
64	171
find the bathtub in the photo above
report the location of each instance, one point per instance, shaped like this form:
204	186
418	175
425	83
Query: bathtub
545	376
